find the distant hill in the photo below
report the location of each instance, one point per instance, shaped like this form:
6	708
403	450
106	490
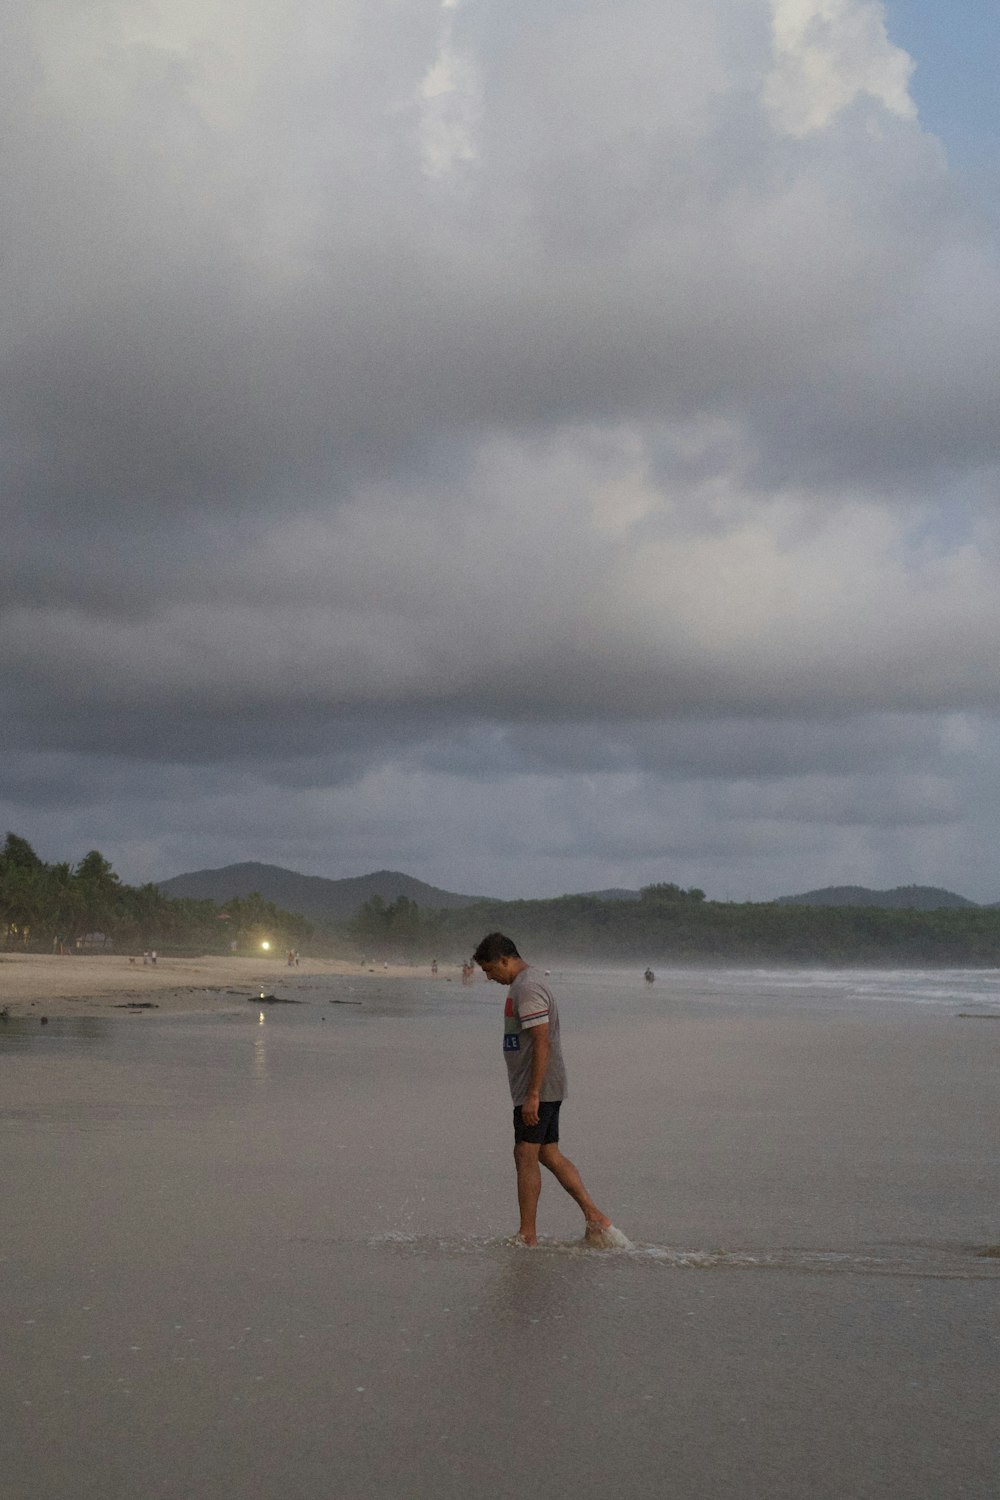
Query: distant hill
321	900
916	897
311	896
617	893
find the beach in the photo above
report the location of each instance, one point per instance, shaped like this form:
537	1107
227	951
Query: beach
264	1253
97	984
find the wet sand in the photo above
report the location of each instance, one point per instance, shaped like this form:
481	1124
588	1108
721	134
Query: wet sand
263	1255
95	984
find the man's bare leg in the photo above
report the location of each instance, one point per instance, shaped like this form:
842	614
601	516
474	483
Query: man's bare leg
529	1186
569	1178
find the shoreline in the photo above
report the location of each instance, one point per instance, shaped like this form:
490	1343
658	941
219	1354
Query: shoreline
89	985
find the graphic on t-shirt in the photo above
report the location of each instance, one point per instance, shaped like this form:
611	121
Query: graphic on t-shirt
511	1027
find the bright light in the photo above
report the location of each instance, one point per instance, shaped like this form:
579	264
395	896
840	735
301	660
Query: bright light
265	944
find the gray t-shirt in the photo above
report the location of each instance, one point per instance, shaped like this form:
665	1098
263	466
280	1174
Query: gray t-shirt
530	1003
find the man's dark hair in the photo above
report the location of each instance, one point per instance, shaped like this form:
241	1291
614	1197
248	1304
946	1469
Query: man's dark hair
494	945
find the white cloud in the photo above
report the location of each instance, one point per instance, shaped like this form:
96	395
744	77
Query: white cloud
450	103
829	53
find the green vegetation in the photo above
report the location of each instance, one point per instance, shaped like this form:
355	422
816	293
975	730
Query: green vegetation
83	907
670	925
87	906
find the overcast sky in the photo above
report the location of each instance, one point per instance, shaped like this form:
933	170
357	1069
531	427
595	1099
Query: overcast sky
538	445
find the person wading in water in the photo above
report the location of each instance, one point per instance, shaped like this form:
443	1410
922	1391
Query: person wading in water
537	1076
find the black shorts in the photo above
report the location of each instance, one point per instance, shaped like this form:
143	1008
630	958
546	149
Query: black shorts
546	1132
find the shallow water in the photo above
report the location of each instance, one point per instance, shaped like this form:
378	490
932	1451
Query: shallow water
265	1255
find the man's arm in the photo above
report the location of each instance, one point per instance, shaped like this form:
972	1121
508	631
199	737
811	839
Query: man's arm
539	1063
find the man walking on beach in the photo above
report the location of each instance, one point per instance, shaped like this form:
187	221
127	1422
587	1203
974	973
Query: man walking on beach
537	1077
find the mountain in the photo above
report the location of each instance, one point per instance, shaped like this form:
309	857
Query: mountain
311	896
616	893
918	897
321	900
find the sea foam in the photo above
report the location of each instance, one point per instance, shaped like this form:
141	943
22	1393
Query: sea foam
608	1239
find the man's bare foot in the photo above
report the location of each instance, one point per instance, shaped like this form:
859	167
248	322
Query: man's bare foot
606	1237
597	1225
523	1241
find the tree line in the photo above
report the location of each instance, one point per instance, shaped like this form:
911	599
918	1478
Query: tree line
670	925
85	906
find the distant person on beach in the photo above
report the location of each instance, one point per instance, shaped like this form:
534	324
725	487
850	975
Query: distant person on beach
537	1077
649	976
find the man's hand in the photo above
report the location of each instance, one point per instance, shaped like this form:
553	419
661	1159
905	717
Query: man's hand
539	1063
529	1109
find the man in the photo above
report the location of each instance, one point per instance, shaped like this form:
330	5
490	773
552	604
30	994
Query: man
537	1077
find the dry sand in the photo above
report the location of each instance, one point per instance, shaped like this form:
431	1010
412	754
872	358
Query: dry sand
92	985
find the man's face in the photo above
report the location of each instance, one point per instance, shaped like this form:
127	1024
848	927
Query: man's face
499	969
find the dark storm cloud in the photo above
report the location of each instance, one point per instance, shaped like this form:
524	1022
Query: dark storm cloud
678	750
592	407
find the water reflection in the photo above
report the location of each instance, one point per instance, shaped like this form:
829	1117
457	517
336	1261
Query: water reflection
20	1031
533	1287
260	1050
